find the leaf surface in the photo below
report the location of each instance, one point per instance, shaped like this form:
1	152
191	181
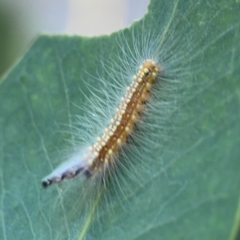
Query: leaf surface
190	188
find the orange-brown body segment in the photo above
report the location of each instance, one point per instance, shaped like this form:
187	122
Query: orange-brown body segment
126	115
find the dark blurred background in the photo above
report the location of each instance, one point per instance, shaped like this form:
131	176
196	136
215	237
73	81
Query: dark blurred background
22	20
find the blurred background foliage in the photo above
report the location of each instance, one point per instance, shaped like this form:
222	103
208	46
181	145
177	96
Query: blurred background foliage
22	20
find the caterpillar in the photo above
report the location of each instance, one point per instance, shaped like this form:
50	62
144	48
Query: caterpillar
98	158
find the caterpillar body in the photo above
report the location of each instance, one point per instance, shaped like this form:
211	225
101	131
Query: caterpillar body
97	159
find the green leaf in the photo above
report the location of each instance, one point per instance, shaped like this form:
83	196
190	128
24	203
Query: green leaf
190	180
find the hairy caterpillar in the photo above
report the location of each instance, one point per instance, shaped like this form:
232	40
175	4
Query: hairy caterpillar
98	158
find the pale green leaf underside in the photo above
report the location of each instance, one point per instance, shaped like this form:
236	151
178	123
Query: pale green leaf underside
194	195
